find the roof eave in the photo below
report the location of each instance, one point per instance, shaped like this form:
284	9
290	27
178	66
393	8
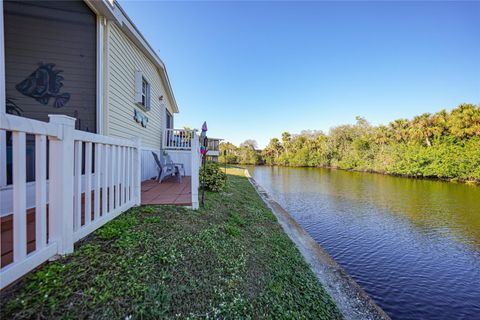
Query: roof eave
113	11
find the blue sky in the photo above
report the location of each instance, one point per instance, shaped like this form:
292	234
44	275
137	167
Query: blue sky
255	69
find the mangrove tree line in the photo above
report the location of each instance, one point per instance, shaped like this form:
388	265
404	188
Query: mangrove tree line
444	145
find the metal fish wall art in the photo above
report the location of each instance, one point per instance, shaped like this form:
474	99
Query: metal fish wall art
140	118
44	83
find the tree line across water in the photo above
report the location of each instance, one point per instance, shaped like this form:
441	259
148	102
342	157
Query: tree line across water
443	145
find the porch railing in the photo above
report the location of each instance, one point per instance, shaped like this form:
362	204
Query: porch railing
177	139
92	179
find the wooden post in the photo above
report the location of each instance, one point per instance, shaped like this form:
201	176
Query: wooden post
61	184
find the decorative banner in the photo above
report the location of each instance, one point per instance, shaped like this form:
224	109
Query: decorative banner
204	129
203	151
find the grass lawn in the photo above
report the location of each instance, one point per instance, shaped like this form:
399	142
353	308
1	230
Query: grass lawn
230	259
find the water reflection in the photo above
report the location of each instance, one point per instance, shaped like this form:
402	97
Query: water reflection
432	206
414	245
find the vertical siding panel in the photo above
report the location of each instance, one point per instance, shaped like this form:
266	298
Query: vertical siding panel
35	32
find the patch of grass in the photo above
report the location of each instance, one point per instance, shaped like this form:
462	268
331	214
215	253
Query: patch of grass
236	219
232	230
117	227
154	219
149	209
228	260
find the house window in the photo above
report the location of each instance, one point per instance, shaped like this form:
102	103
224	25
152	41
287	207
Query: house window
142	91
145	94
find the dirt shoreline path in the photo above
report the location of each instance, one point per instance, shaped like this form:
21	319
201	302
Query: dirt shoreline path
353	302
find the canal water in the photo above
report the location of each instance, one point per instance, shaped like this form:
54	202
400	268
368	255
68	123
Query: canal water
412	245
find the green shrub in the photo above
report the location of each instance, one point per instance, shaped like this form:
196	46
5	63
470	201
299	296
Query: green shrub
212	177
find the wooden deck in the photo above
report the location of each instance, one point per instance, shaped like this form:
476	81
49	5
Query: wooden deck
170	191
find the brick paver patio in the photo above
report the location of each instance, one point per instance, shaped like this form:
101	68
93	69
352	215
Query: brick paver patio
170	191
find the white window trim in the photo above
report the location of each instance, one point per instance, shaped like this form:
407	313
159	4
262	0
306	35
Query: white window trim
168	113
142	97
148	98
144	92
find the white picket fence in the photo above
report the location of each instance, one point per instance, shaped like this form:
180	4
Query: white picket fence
92	179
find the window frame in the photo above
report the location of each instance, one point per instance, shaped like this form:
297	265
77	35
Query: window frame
169	119
145	94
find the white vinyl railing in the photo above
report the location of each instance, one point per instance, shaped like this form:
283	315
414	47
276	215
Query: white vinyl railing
92	179
104	186
178	139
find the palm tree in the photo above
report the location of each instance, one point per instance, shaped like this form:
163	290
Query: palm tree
464	121
382	135
422	128
286	138
400	129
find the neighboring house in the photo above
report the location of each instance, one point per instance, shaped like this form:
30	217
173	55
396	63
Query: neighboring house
213	149
85	60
